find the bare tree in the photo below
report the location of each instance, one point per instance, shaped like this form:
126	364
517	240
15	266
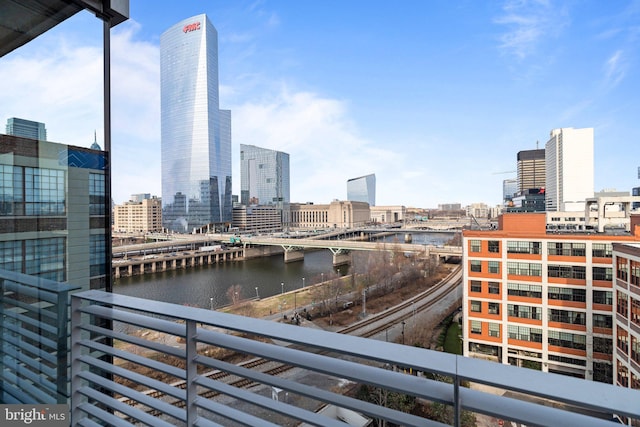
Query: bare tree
234	294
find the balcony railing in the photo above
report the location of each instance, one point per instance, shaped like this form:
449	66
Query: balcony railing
206	391
34	335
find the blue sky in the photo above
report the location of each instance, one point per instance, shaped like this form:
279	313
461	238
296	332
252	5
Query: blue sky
434	97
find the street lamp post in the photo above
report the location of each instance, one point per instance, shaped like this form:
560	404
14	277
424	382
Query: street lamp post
282	287
303	282
211	303
257	295
322	275
403	332
364	303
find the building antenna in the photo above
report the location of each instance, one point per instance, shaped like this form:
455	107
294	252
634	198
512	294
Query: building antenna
537	142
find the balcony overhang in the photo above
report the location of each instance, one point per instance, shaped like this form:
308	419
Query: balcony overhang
23	20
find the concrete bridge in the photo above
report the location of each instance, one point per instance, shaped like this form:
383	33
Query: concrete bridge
341	249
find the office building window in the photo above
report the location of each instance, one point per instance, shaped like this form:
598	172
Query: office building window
45	258
623	304
494	330
524	311
96	194
524	333
567	340
494	288
567	316
602	250
476	306
524	290
524	269
603	297
476	286
567	271
476	327
494	246
567	294
567	249
603	345
602	273
494	308
518	247
476	266
97	255
603	321
474	246
31	191
494	267
11	256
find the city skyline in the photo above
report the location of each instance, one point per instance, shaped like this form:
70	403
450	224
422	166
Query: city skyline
435	97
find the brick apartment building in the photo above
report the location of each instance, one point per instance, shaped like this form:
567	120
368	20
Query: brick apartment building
546	299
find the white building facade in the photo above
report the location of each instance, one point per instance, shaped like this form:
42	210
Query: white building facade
569	169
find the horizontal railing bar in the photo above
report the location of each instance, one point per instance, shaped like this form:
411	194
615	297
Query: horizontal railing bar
20	317
151	345
36	395
268	403
587	394
138	378
140	360
161	325
144	399
528	413
41	294
399	382
32	336
20	370
13	353
231	413
86	422
30	308
130	411
371	409
104	416
203	422
36	282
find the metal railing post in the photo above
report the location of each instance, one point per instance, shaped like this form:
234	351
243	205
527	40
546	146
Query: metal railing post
76	365
191	373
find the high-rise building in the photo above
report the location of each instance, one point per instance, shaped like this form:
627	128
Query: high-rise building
569	169
52	204
509	189
540	298
26	129
144	216
264	176
195	133
362	189
531	170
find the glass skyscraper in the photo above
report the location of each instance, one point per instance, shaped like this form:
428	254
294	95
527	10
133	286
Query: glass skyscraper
26	129
362	189
264	176
195	133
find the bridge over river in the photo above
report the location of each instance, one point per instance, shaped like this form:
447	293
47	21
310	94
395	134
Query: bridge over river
294	248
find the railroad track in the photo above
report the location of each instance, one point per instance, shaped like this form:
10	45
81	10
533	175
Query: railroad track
367	327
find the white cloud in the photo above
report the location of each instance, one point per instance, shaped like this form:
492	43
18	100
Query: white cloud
614	69
528	22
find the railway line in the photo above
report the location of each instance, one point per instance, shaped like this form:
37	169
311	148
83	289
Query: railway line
368	327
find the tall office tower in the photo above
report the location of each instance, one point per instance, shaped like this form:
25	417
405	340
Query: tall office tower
195	133
531	170
509	189
264	176
362	189
569	169
26	129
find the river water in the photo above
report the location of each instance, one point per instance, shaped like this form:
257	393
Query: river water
207	286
